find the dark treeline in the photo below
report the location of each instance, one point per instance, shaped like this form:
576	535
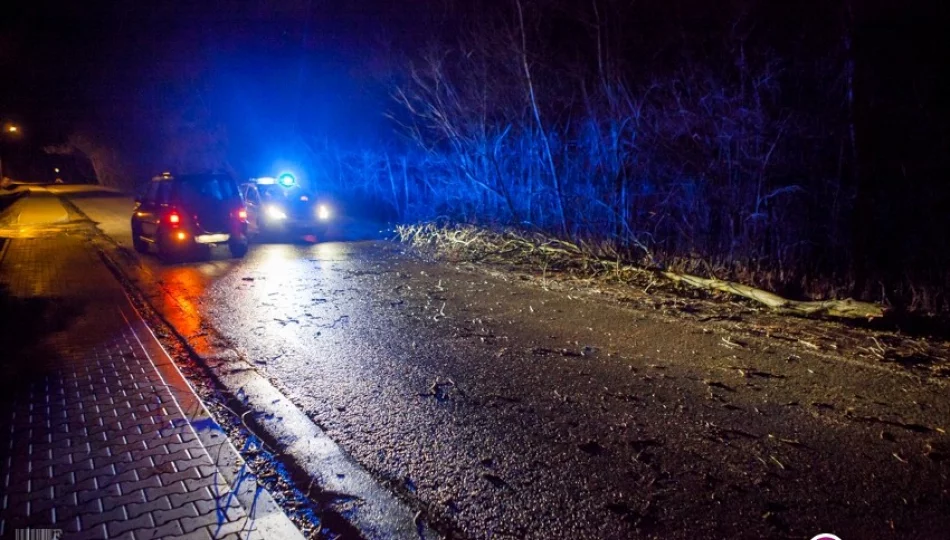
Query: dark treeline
797	146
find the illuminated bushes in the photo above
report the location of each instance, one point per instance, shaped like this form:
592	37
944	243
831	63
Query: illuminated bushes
716	154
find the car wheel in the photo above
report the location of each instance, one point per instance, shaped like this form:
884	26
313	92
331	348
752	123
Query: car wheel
165	252
140	245
238	249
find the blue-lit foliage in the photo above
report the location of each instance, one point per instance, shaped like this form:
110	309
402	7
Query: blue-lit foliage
722	157
695	165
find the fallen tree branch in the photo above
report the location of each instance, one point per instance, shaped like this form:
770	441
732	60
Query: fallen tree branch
845	309
510	246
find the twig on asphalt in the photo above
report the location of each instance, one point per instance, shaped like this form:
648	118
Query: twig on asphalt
731	344
777	462
249	430
791	442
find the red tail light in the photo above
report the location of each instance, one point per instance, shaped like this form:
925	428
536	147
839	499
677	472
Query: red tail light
174	218
242	214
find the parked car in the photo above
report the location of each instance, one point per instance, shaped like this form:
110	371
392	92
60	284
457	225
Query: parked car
178	214
280	209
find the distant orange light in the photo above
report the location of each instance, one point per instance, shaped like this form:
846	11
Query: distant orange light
13	129
181	235
242	214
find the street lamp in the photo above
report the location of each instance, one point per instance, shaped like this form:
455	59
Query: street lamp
11	130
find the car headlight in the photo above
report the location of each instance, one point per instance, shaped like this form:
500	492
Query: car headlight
275	212
323	212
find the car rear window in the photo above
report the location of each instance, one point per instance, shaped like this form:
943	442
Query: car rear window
207	188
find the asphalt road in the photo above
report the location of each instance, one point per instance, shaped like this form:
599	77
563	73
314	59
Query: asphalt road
513	411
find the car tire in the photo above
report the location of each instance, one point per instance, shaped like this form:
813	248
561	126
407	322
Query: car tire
238	249
165	253
141	246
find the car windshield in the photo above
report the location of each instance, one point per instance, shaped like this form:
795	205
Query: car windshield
281	194
204	188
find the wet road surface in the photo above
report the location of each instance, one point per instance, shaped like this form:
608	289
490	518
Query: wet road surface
514	411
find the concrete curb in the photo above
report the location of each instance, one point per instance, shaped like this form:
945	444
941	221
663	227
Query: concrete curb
268	517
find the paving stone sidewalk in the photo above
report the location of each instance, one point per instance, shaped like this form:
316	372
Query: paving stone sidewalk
92	442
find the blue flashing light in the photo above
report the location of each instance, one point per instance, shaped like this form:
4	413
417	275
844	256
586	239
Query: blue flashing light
287	180
266	181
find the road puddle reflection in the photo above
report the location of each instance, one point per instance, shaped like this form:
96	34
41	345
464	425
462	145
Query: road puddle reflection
184	286
333	251
279	291
291	290
184	291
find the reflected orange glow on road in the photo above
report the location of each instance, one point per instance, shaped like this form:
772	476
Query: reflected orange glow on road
277	297
185	286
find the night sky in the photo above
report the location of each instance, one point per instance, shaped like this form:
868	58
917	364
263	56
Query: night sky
322	65
123	66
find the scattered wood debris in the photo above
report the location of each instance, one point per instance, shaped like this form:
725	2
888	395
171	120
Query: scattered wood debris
468	242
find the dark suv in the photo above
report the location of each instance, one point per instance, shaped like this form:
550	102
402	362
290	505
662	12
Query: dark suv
177	214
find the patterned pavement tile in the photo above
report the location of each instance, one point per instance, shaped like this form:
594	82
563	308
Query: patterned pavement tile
92	442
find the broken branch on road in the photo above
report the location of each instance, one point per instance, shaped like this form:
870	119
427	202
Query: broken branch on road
469	242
